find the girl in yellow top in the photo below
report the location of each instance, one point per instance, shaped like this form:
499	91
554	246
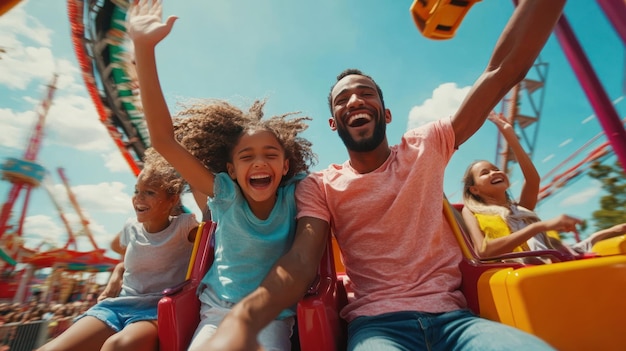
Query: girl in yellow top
498	225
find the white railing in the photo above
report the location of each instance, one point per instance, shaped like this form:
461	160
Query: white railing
31	335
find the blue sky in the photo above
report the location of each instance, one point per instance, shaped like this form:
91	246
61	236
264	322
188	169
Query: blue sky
290	53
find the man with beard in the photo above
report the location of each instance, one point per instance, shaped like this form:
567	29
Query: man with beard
384	207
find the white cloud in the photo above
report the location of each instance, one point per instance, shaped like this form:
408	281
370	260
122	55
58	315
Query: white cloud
24	62
18	22
444	102
584	196
15	127
49	233
107	197
565	142
115	162
39	228
73	121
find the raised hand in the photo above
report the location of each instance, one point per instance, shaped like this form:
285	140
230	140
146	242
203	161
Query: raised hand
499	120
145	22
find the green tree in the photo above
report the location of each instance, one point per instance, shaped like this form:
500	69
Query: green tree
612	205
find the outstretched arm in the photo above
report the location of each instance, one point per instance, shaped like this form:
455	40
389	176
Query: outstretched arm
530	188
517	48
146	30
493	247
283	287
616	230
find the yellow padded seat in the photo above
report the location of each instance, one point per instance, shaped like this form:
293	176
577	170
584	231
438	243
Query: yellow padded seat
574	305
612	246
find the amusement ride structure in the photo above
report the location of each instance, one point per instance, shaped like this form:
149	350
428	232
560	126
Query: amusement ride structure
439	20
99	38
25	174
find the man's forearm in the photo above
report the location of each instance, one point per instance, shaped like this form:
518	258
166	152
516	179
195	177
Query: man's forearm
288	280
517	48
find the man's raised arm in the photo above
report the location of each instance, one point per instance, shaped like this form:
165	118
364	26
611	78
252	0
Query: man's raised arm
515	52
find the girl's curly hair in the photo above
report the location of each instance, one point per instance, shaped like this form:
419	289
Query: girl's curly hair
158	172
210	130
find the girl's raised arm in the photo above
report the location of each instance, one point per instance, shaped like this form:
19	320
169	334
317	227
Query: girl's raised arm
146	30
530	188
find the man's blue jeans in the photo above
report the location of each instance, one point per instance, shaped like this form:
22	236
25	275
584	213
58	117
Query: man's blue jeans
456	330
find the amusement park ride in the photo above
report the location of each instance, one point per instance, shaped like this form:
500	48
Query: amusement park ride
574	303
25	175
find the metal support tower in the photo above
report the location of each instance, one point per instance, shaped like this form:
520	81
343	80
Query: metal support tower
522	108
24	173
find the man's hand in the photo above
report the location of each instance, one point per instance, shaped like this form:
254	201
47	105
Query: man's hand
233	334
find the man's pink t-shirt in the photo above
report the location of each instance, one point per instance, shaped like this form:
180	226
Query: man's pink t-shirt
399	251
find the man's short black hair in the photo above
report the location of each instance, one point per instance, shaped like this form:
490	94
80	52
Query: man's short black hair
348	72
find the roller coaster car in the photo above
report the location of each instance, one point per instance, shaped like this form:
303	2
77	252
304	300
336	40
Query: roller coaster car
179	308
439	19
319	327
612	246
577	303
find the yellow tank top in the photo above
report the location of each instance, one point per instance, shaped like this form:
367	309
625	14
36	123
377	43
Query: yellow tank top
493	226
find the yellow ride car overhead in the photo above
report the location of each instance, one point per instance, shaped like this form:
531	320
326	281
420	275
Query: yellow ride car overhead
439	19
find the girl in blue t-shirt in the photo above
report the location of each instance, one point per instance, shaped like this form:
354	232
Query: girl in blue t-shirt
247	166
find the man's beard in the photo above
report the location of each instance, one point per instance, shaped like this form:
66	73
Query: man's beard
364	145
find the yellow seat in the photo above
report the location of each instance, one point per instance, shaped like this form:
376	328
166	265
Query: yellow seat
576	304
612	246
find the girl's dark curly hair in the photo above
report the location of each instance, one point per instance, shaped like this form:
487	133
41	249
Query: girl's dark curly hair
210	130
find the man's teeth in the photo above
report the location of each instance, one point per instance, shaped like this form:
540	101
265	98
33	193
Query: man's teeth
358	116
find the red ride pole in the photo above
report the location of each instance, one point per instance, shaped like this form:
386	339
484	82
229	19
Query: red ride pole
600	102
